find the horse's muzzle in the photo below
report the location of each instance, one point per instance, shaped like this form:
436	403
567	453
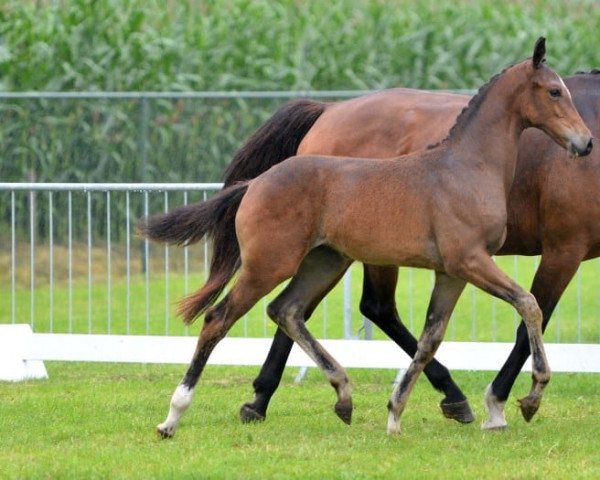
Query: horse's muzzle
580	151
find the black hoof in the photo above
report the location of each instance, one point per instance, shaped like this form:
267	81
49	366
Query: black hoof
459	411
529	407
344	411
248	414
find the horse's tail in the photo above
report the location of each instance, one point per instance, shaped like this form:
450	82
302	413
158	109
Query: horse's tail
272	143
275	140
190	223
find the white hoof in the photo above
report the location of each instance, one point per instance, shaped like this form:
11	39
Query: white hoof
164	430
495	408
393	425
491	426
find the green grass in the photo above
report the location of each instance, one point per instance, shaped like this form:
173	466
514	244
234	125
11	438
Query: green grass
97	421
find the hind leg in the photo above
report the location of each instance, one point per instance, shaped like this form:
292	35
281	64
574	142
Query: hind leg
320	269
267	381
378	304
445	294
217	322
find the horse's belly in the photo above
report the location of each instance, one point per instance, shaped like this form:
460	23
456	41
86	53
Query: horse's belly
383	248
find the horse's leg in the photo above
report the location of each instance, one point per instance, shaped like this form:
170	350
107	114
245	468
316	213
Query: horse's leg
445	294
481	271
267	381
318	271
551	278
268	378
378	304
217	322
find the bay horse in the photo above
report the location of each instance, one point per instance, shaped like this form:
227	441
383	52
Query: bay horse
443	209
552	211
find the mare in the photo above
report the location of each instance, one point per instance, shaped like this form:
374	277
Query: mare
553	211
443	209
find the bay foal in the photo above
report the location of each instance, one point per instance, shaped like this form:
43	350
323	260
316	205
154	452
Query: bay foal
444	209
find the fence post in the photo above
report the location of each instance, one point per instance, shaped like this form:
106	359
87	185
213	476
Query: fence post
15	361
348	305
143	138
143	173
368	328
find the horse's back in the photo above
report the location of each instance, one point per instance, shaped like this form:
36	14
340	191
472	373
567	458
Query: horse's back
371	210
384	124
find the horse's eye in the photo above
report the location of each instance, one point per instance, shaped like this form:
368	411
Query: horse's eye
555	92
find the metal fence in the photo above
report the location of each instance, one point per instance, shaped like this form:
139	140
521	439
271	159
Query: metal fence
90	273
130	136
71	262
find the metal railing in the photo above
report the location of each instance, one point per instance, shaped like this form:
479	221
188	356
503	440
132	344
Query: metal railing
87	272
45	283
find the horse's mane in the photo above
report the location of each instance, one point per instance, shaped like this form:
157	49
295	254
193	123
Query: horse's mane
471	108
593	71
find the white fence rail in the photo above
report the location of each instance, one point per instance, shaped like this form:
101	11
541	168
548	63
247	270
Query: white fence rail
22	352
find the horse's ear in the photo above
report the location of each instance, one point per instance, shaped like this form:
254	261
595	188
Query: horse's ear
539	51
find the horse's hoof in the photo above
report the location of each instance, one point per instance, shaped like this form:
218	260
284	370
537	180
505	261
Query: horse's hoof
164	432
344	411
393	425
494	426
459	411
249	415
529	406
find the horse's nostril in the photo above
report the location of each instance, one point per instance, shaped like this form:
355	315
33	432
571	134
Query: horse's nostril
589	147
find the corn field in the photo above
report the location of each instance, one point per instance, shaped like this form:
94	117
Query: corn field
228	45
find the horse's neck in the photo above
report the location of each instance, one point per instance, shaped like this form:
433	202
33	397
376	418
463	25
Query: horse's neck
489	140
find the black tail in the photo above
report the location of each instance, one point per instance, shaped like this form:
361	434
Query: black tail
274	141
190	223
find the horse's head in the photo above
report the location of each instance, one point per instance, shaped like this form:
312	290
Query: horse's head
548	105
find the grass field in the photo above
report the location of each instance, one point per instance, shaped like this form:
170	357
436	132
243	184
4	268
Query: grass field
97	421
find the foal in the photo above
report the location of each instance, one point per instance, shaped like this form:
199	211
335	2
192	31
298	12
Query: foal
444	210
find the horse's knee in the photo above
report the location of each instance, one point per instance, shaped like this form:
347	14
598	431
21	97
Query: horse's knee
284	312
529	309
426	350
